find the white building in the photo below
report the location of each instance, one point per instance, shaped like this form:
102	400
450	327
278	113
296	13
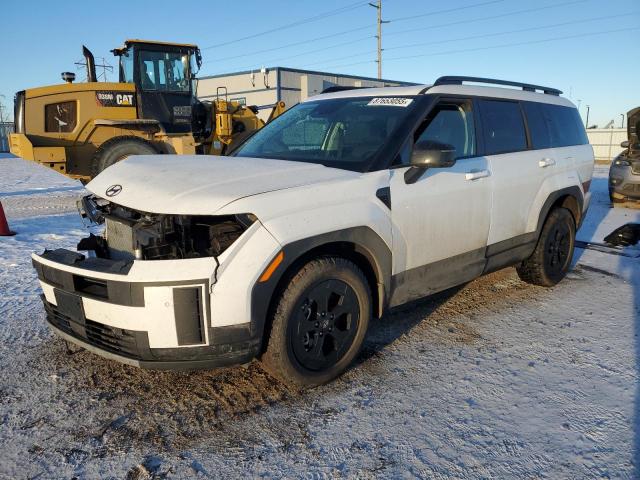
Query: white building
271	85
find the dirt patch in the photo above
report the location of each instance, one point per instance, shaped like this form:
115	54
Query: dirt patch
119	408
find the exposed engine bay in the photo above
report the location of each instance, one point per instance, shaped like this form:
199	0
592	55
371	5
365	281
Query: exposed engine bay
133	235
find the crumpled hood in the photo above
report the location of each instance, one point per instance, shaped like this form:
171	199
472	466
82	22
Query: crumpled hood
201	184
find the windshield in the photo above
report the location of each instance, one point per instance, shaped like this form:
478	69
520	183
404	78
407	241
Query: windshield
164	71
344	133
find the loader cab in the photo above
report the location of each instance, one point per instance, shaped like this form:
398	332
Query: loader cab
164	75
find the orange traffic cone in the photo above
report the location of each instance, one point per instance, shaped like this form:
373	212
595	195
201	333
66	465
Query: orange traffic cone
4	226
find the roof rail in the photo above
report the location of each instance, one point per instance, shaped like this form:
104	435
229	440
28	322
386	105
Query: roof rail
525	86
338	88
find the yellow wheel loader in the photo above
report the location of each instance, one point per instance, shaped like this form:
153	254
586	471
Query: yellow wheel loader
79	129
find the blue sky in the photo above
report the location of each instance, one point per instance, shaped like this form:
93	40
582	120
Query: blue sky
587	48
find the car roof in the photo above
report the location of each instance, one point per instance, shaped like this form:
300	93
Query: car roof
464	90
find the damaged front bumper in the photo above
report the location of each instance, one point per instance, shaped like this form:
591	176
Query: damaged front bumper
156	314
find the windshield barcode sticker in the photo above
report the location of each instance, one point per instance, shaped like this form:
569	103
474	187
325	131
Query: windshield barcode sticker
391	101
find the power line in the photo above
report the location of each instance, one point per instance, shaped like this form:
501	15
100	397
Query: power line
308	52
490	17
448	10
513	44
342	32
486	35
520	30
298	43
293	24
426	27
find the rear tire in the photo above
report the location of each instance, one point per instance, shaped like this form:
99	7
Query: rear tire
319	323
550	261
116	149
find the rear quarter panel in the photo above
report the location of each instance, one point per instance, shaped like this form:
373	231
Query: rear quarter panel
574	168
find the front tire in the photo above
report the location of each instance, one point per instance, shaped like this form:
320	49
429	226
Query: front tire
319	323
550	261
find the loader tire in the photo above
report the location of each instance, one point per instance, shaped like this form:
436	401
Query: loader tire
116	149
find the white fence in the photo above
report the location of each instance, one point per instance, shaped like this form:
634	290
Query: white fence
606	142
5	129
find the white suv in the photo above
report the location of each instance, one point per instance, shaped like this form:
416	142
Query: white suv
350	203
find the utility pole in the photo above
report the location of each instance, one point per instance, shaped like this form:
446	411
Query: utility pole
378	6
586	123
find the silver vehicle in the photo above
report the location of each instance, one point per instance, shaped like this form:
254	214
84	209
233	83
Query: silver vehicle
624	174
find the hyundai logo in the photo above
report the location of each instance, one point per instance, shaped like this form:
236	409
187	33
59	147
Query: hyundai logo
113	190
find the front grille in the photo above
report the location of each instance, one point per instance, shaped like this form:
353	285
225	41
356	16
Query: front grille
114	340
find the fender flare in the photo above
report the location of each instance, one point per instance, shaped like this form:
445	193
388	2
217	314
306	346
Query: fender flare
573	191
366	242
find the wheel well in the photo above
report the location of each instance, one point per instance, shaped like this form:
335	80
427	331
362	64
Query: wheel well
570	203
348	251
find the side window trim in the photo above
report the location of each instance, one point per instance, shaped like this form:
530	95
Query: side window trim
477	118
525	122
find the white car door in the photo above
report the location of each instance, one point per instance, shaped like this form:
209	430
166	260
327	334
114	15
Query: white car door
518	172
440	223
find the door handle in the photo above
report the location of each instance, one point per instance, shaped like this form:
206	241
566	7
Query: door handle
546	162
474	175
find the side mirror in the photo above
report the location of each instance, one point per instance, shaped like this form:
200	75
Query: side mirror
625	144
428	154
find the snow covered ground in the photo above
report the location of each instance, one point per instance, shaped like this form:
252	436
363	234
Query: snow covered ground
493	379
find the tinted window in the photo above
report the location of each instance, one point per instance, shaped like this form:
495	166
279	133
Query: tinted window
164	71
451	124
503	128
566	126
539	127
554	125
